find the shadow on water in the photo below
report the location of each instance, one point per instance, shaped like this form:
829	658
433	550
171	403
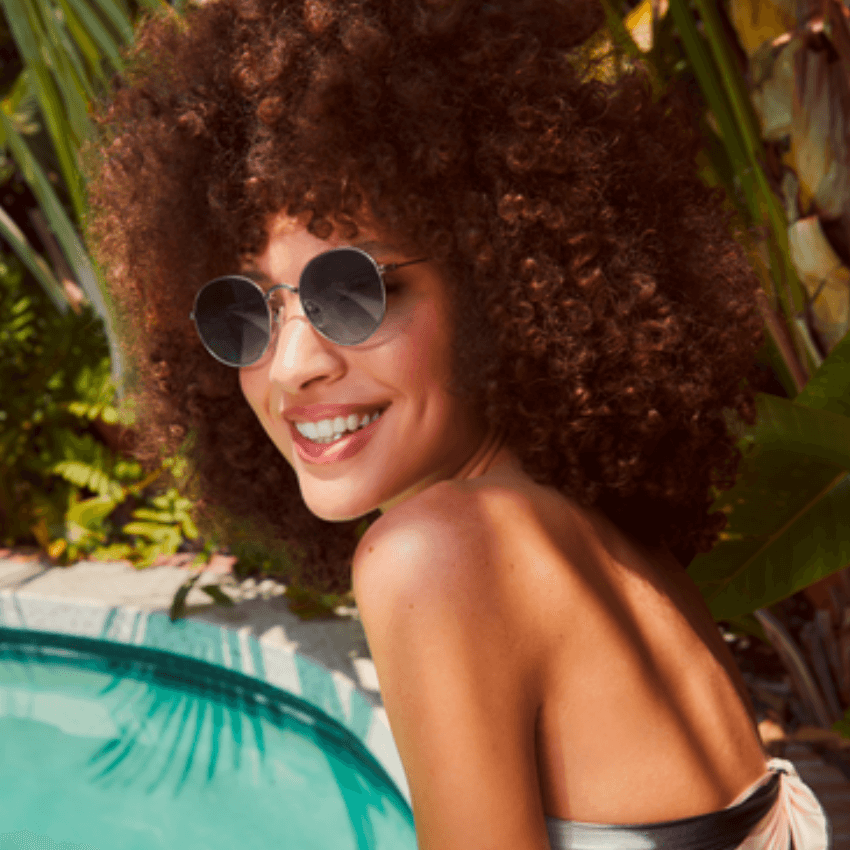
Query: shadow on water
167	709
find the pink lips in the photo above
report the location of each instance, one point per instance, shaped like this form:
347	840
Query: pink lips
315	412
341	449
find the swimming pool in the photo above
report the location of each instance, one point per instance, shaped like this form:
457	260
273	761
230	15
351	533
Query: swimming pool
121	729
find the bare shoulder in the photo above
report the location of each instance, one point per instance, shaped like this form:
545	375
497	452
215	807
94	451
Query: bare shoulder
470	531
460	694
421	544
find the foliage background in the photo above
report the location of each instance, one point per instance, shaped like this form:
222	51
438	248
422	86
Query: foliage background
769	83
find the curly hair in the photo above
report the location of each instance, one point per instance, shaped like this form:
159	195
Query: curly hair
605	311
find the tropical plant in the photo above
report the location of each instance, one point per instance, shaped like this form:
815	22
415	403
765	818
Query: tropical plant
67	51
60	484
775	85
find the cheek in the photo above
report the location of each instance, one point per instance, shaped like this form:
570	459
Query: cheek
251	382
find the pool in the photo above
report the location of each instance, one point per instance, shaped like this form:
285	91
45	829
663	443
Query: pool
120	729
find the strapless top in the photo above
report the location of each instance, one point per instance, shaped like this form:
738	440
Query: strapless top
776	809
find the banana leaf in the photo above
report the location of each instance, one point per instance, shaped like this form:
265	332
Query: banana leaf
789	511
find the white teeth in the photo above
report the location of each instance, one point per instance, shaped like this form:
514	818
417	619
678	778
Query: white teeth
331	430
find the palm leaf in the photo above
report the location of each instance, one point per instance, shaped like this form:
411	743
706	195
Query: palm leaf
724	91
65	45
62	105
32	260
64	230
118	17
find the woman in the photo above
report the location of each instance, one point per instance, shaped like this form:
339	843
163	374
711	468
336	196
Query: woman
462	281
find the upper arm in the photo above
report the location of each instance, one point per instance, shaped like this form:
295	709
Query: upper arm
460	699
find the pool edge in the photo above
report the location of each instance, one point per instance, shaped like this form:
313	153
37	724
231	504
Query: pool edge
332	691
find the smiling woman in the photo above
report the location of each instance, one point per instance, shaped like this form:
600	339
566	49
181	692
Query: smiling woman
417	432
451	279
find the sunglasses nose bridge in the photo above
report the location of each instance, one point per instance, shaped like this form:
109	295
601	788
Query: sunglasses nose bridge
280	311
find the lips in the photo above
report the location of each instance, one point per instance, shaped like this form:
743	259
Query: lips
342	449
316	412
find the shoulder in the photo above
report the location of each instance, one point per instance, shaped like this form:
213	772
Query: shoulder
450	536
439	535
456	680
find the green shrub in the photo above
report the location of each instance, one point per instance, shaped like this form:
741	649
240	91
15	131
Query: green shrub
64	489
61	486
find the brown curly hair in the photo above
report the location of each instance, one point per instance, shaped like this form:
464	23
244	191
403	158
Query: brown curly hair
605	311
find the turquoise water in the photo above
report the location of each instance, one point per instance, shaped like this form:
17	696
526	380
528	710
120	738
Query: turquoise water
109	746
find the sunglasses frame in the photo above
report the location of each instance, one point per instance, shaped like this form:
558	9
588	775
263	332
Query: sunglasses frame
380	268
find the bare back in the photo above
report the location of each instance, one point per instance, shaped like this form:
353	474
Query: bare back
643	715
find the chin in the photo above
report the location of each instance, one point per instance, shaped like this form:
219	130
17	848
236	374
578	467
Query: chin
337	510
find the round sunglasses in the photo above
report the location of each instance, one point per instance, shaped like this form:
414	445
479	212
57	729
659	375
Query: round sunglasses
341	291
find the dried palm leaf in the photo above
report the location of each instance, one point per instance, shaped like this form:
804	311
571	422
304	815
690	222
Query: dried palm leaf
825	278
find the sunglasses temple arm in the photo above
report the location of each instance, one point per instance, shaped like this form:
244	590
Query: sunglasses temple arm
391	267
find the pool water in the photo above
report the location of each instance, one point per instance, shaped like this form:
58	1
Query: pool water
112	746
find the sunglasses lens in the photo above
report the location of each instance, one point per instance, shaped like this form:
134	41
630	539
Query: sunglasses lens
233	320
343	295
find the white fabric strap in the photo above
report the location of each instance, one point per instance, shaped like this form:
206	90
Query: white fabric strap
796	814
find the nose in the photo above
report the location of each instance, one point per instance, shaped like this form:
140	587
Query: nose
300	355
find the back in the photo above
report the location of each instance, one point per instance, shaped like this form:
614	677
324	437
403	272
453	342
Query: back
644	716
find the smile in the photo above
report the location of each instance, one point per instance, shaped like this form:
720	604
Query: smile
334	441
331	430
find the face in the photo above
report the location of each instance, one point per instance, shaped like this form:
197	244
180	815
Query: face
423	434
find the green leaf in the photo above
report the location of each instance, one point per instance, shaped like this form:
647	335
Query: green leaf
118	17
154	531
93	38
747	624
156	516
188	527
742	108
792	427
829	387
21	105
37	266
64	230
620	32
721	85
790	491
843	726
69	71
810	546
112	552
58	99
90	512
83	42
217	594
178	604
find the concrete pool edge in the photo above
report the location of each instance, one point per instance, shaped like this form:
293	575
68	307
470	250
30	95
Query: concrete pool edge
331	691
